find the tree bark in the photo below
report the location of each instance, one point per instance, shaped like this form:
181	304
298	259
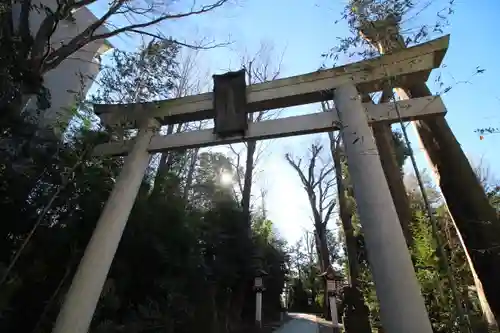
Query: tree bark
476	220
190	174
469	207
346	218
321	208
356	313
325	263
163	166
466	200
247	185
239	295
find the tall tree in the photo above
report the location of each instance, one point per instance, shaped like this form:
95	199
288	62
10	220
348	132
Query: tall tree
210	184
187	82
316	176
259	68
175	270
306	284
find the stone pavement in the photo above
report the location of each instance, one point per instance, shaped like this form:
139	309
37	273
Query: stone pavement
305	323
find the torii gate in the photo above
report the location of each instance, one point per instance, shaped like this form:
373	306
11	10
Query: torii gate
401	303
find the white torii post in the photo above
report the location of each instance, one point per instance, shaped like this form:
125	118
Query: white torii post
334	313
80	302
402	307
258	308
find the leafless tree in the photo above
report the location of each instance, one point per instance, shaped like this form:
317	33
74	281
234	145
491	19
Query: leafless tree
190	163
263	206
346	210
259	68
189	82
316	175
484	174
36	53
317	178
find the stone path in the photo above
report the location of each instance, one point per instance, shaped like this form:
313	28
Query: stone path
303	323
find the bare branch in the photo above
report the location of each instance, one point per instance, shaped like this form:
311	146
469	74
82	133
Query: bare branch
315	179
330	206
323	174
54	58
237	166
58	56
135	27
296	166
208	46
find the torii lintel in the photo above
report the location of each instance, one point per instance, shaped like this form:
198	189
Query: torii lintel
397	69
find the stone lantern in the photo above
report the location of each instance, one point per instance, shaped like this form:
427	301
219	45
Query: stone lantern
258	286
334	283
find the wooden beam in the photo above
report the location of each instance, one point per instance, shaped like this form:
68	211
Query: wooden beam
413	109
408	65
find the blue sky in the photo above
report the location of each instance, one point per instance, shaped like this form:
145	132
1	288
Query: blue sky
303	30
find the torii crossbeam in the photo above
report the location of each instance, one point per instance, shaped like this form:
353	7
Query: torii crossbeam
409	65
400	300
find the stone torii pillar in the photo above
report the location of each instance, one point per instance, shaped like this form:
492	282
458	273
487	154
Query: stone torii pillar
402	307
81	300
382	133
465	198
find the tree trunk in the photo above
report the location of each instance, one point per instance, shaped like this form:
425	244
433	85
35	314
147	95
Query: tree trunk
325	263
475	218
214	327
163	167
247	185
345	218
50	302
240	293
247	182
356	314
385	144
190	174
